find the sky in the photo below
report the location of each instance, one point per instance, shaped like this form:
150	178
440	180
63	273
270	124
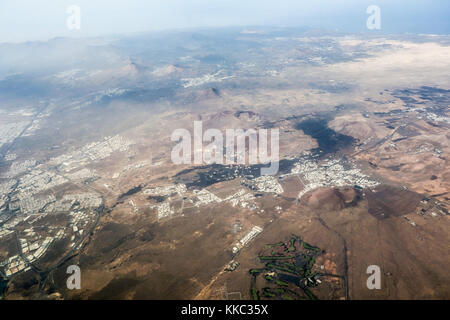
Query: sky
30	20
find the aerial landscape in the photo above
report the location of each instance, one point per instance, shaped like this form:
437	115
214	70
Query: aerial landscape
87	176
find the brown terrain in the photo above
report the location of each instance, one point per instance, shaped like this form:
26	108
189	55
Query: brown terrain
385	115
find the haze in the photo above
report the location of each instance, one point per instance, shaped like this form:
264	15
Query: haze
26	20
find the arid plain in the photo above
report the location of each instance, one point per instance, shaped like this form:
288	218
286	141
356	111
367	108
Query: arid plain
87	179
